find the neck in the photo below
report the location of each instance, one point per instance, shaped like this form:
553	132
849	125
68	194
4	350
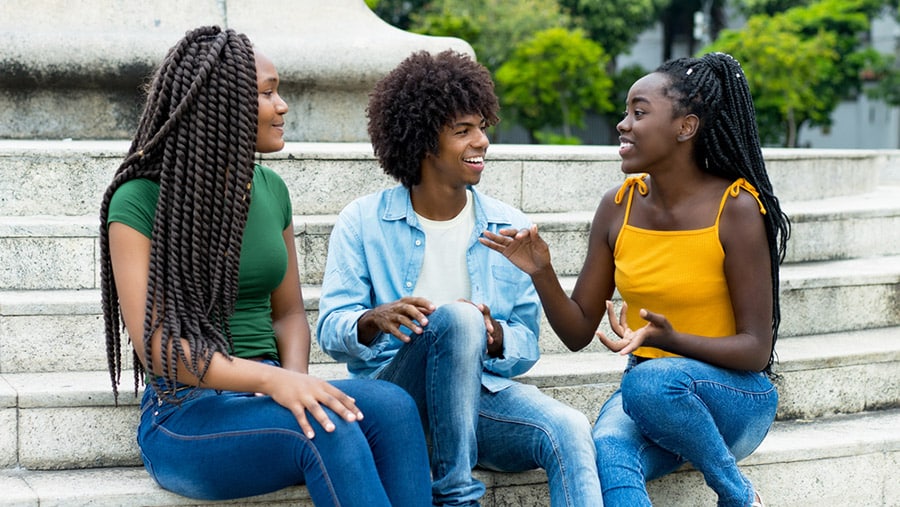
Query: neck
671	188
437	203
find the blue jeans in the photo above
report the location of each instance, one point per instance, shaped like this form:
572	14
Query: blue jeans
669	411
226	445
515	429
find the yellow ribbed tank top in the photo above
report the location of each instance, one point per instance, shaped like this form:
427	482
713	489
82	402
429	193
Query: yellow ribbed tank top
679	274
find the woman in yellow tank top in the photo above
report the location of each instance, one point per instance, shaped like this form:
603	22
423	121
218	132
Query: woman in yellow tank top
692	241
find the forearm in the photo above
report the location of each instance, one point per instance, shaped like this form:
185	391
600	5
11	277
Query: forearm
222	372
293	340
737	352
565	315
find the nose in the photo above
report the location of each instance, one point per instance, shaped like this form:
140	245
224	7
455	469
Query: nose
623	125
481	139
281	106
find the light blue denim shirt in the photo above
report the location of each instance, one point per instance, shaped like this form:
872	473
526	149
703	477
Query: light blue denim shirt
374	257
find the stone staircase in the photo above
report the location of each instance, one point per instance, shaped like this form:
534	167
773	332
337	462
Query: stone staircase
837	438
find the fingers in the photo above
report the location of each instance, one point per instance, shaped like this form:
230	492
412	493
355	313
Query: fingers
304	423
423	305
488	320
632	344
610	344
653	318
411	312
623	315
615	322
342	404
325	394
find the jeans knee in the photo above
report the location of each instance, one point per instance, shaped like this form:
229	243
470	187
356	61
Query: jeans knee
459	326
572	427
649	385
607	440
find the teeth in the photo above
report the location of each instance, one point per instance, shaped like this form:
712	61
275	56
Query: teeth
625	144
474	160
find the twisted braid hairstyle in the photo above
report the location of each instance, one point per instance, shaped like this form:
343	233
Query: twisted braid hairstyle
197	138
714	89
409	107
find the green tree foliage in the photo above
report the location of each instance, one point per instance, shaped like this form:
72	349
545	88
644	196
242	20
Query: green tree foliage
614	24
770	7
552	80
801	63
396	12
492	27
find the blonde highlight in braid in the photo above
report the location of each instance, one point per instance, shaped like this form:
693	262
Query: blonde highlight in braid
196	137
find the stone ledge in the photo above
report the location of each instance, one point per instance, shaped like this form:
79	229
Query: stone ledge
799	357
822	449
68	177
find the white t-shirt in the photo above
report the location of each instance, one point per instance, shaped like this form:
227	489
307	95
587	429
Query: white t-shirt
445	275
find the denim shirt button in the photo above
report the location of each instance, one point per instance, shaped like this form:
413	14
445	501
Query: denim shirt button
418	242
408	284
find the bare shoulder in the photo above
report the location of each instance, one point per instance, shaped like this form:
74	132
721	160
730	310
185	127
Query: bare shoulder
742	207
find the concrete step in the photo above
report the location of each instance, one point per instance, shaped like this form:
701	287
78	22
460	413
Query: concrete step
844	460
58	330
69	177
866	225
66	420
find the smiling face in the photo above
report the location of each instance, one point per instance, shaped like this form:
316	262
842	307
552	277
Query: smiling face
459	160
270	123
650	132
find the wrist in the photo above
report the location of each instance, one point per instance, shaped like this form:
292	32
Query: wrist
543	273
366	330
495	349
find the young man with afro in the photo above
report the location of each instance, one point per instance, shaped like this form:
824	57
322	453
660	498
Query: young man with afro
411	296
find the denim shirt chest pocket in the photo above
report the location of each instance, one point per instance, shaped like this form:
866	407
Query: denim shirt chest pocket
507	288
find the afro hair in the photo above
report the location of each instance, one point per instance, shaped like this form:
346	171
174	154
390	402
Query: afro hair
409	107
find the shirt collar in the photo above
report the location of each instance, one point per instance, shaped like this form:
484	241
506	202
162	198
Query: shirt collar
399	207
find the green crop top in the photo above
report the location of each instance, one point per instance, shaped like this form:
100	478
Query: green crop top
263	252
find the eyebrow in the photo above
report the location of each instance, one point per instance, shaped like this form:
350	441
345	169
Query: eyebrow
468	123
638	99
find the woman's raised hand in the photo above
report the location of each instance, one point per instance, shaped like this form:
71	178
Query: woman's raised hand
524	247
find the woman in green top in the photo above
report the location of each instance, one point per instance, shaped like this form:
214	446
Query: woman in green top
198	261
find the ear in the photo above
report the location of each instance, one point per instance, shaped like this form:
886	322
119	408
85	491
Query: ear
690	123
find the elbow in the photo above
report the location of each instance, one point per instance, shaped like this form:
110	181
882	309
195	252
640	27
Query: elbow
576	343
759	359
761	362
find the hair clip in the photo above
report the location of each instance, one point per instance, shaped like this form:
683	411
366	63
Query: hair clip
690	71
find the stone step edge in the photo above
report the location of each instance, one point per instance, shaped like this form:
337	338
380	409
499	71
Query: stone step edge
797	354
363	150
815	274
821	439
884	202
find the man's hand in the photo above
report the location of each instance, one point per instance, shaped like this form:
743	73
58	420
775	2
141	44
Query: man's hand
411	312
494	330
